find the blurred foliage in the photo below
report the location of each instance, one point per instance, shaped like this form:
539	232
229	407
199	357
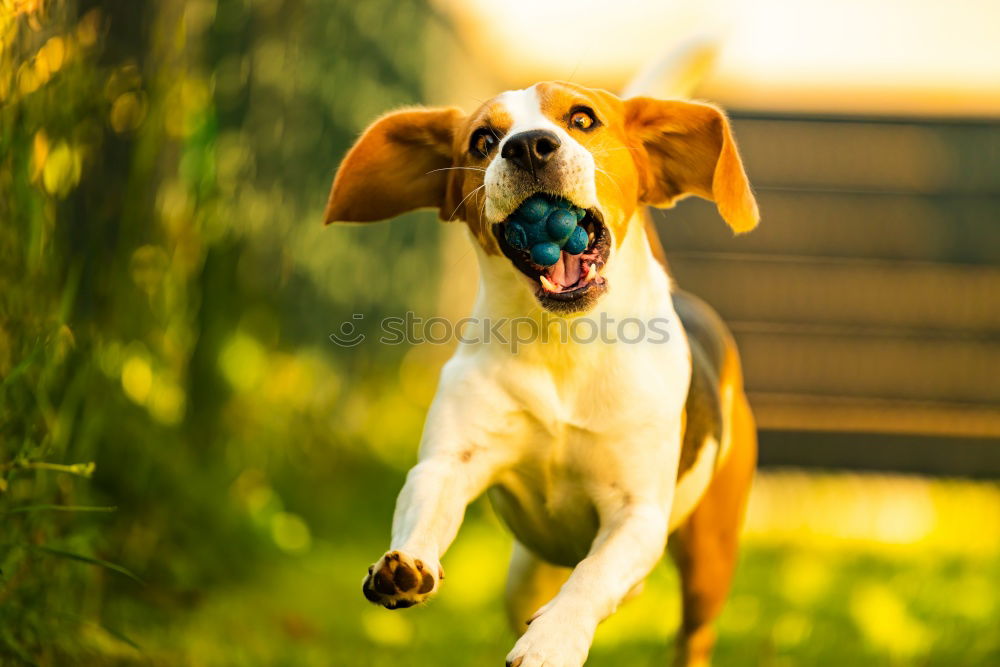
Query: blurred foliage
166	295
190	472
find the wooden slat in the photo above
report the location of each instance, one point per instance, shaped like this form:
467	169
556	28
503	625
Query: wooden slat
804	412
846	365
893	157
950	229
873	294
906	452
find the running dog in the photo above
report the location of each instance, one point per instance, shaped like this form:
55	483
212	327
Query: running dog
598	455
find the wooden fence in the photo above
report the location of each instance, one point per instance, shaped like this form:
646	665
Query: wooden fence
867	304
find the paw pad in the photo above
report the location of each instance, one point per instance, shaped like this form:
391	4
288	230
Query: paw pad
398	581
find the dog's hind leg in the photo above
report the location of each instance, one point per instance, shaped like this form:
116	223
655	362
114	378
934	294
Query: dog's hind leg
705	545
531	582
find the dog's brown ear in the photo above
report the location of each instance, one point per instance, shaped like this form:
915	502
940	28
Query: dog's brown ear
396	166
685	148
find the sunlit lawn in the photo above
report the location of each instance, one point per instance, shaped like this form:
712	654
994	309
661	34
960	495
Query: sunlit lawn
802	597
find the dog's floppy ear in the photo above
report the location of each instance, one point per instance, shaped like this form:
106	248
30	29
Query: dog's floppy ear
395	166
685	148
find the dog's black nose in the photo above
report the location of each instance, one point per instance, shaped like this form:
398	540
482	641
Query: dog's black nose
531	150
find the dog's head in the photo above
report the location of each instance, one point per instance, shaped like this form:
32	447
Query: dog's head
588	147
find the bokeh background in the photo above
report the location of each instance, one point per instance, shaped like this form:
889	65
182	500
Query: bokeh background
191	472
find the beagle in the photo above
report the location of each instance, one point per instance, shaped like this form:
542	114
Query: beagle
595	453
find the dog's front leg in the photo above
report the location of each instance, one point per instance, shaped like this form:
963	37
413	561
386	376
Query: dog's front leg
454	469
626	548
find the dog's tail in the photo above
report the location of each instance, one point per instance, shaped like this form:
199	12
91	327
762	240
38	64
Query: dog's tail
678	71
675	74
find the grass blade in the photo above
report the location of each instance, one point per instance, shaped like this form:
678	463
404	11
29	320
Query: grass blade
121	636
21	367
60	508
88	559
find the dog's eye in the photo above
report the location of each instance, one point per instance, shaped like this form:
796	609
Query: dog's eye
482	142
582	118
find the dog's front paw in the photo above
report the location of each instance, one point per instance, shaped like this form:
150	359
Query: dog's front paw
398	581
552	641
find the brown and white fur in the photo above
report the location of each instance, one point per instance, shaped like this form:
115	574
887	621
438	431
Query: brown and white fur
594	454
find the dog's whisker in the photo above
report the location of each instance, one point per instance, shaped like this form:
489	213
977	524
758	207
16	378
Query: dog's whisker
464	199
459	260
455	169
482	208
598	152
611	178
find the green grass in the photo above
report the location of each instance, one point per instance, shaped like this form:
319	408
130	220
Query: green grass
792	604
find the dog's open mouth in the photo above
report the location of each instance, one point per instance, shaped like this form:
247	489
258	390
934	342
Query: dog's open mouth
571	276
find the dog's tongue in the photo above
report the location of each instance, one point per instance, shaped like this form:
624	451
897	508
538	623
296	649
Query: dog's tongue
566	272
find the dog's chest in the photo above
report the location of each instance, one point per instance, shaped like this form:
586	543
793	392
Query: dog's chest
594	439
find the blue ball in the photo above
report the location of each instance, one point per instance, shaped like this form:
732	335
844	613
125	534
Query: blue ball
581	213
534	209
545	254
577	241
560	225
515	235
536	232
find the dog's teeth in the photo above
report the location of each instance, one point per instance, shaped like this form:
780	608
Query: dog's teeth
591	273
548	284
